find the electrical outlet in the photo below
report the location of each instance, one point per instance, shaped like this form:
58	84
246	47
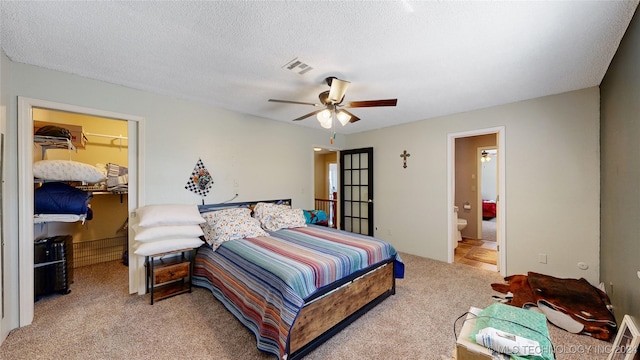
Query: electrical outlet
542	258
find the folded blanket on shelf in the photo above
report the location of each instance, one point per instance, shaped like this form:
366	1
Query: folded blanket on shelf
44	218
117	178
116	170
60	198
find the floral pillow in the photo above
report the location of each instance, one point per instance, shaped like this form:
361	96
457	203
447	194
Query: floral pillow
273	217
283	219
230	224
262	210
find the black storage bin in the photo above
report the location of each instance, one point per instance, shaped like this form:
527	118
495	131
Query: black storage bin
53	265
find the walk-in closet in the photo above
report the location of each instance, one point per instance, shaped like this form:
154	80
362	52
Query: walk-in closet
81	196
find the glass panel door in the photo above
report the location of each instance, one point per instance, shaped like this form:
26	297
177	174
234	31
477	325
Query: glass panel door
356	171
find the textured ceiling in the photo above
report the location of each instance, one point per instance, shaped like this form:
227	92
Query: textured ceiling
436	58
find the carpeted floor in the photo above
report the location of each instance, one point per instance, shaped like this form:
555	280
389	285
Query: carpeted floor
100	320
489	230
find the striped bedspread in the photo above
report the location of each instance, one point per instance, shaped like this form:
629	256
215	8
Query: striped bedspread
264	281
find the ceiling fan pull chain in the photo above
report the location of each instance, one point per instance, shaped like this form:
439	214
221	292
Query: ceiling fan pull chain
333	126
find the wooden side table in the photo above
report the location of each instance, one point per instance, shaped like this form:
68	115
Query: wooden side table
169	274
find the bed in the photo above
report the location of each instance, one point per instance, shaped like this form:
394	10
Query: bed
296	287
488	209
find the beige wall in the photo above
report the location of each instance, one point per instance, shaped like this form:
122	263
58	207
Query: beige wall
552	207
620	213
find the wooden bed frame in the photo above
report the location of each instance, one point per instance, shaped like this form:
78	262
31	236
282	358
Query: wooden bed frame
320	320
333	308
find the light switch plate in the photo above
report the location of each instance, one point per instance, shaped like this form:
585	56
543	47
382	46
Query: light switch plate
542	258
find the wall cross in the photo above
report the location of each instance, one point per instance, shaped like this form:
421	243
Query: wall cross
404	157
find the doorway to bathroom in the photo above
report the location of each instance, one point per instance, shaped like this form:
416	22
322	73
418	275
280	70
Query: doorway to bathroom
476	191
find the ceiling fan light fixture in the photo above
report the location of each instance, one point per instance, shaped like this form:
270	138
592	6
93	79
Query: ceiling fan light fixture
338	89
343	117
324	114
326	123
485	156
324	117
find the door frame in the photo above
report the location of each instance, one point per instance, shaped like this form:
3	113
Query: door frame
26	197
500	132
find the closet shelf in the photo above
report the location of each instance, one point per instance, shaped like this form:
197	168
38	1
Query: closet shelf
52	142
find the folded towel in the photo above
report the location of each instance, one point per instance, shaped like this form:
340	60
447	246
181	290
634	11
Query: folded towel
113	169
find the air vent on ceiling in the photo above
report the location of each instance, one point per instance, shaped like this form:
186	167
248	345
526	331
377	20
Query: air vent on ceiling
297	66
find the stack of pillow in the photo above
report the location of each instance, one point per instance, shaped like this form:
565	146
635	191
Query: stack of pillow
167	228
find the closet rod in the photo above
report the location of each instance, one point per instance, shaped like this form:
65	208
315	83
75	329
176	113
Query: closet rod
119	137
107	136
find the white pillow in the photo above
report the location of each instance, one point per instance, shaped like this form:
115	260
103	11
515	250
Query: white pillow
162	215
167	245
153	233
67	170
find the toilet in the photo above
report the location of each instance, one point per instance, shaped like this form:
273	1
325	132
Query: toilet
460	224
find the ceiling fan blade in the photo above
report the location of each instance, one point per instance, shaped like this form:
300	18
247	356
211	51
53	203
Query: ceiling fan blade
307	115
353	117
337	90
294	102
372	103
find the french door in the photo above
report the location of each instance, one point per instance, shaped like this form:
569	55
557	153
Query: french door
356	189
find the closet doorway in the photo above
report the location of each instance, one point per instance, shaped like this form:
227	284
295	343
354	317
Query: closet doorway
28	112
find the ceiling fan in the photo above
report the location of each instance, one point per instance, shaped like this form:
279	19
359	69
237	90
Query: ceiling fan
332	107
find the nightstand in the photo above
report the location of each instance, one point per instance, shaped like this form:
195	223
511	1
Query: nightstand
168	274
